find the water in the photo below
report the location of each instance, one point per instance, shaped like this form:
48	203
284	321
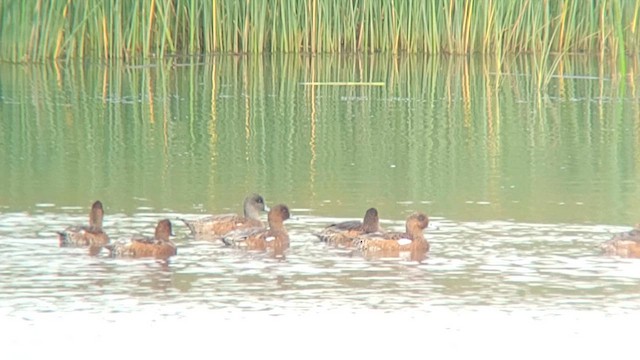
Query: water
519	191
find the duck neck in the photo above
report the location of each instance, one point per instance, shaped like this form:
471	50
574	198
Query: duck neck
416	234
162	235
370	227
277	225
251	213
95	220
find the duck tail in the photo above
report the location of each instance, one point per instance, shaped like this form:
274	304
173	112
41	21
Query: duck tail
237	237
228	241
111	248
190	225
320	237
63	238
607	247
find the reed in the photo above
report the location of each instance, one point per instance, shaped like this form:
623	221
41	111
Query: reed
37	30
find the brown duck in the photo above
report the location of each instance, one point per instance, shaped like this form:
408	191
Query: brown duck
159	246
218	225
275	237
626	244
343	233
411	240
91	235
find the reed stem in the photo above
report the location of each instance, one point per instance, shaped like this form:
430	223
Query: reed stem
36	30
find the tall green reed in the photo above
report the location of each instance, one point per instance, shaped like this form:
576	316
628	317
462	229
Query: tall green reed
37	30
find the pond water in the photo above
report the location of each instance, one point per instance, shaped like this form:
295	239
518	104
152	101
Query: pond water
520	188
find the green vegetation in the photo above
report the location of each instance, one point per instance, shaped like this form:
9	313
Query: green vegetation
37	30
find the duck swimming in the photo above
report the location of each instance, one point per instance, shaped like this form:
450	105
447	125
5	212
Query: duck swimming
218	225
91	235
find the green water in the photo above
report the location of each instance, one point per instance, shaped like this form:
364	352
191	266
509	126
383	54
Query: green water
459	138
520	185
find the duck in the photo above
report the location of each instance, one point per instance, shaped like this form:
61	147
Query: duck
626	244
159	246
343	233
275	237
91	235
411	240
219	225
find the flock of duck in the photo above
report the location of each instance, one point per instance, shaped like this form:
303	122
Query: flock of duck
247	231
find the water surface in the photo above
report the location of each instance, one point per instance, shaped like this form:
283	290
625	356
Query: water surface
520	187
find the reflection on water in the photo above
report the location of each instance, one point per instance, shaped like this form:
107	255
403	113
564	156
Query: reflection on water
467	138
519	185
511	265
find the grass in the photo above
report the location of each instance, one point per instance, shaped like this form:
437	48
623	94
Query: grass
37	30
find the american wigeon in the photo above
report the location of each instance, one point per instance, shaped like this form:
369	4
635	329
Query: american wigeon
626	244
159	246
275	237
218	225
343	233
411	240
91	235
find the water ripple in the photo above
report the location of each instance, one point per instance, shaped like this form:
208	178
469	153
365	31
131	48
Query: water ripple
495	263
